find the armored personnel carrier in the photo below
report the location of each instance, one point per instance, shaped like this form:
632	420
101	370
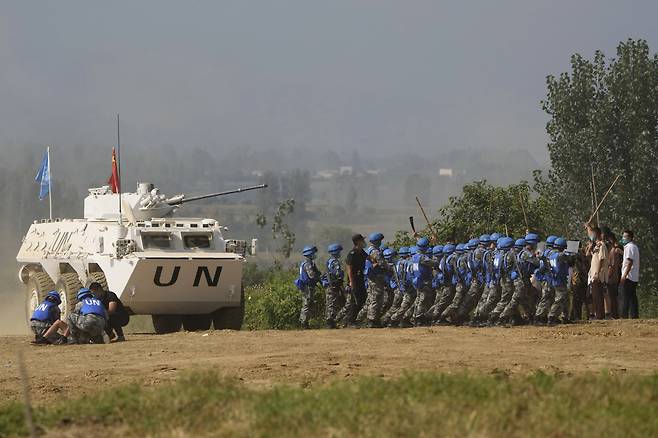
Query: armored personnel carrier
181	271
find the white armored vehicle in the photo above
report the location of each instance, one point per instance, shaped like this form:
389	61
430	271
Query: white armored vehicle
182	271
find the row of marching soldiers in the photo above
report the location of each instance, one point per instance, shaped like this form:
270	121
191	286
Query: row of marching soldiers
490	280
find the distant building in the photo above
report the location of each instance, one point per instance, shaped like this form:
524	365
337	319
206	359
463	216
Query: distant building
445	172
346	170
326	174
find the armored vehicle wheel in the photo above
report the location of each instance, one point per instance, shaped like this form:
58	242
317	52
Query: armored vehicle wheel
68	287
229	317
194	323
96	277
166	323
37	287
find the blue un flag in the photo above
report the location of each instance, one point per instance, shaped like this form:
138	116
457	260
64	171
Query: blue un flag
43	177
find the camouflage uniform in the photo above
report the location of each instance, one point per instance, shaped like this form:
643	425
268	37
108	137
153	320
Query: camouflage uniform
461	288
376	286
334	293
482	307
425	295
86	328
506	285
559	306
308	291
405	311
448	291
397	288
520	297
472	298
547	290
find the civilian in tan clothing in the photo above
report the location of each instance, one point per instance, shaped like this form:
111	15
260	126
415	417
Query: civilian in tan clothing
598	271
615	257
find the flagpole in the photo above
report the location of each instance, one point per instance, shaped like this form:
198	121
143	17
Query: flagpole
50	188
119	168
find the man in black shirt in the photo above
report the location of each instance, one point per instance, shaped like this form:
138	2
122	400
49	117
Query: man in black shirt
118	316
356	262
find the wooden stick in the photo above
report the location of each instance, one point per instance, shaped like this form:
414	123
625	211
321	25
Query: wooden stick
603	199
596	198
429	225
525	217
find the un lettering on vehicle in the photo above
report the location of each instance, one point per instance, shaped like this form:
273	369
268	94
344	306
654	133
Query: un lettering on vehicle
202	277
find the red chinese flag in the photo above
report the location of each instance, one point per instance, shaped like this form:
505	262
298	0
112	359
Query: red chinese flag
114	182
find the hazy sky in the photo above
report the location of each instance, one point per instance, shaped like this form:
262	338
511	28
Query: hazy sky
375	75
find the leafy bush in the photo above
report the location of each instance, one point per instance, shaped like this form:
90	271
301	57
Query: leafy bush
273	302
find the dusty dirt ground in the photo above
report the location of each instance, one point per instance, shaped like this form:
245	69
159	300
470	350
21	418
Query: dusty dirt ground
318	356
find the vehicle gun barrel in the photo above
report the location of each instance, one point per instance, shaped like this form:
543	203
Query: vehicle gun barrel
178	200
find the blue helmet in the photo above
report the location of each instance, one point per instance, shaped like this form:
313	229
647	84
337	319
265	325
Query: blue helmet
423	243
309	250
449	248
334	248
437	250
505	243
531	238
495	236
413	250
403	251
519	243
376	237
473	243
54	297
389	253
485	238
550	240
459	249
84	293
560	242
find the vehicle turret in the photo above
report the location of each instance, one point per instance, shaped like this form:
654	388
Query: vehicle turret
144	204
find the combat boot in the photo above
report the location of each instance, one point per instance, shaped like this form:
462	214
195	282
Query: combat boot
305	326
552	321
393	324
540	321
330	324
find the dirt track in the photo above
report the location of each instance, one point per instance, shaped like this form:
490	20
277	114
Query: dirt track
316	356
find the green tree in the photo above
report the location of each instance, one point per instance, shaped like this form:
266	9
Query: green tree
604	122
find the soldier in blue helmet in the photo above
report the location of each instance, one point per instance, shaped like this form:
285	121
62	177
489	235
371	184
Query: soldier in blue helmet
560	263
491	293
461	280
377	274
309	276
544	276
44	316
398	284
422	281
390	256
86	324
504	263
476	267
401	317
448	267
334	293
525	264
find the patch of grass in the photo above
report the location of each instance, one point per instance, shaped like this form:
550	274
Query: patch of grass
422	404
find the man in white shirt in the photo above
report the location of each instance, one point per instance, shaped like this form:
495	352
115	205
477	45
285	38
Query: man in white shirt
630	276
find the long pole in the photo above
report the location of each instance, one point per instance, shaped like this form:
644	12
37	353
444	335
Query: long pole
119	167
596	211
596	199
50	185
525	217
429	224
